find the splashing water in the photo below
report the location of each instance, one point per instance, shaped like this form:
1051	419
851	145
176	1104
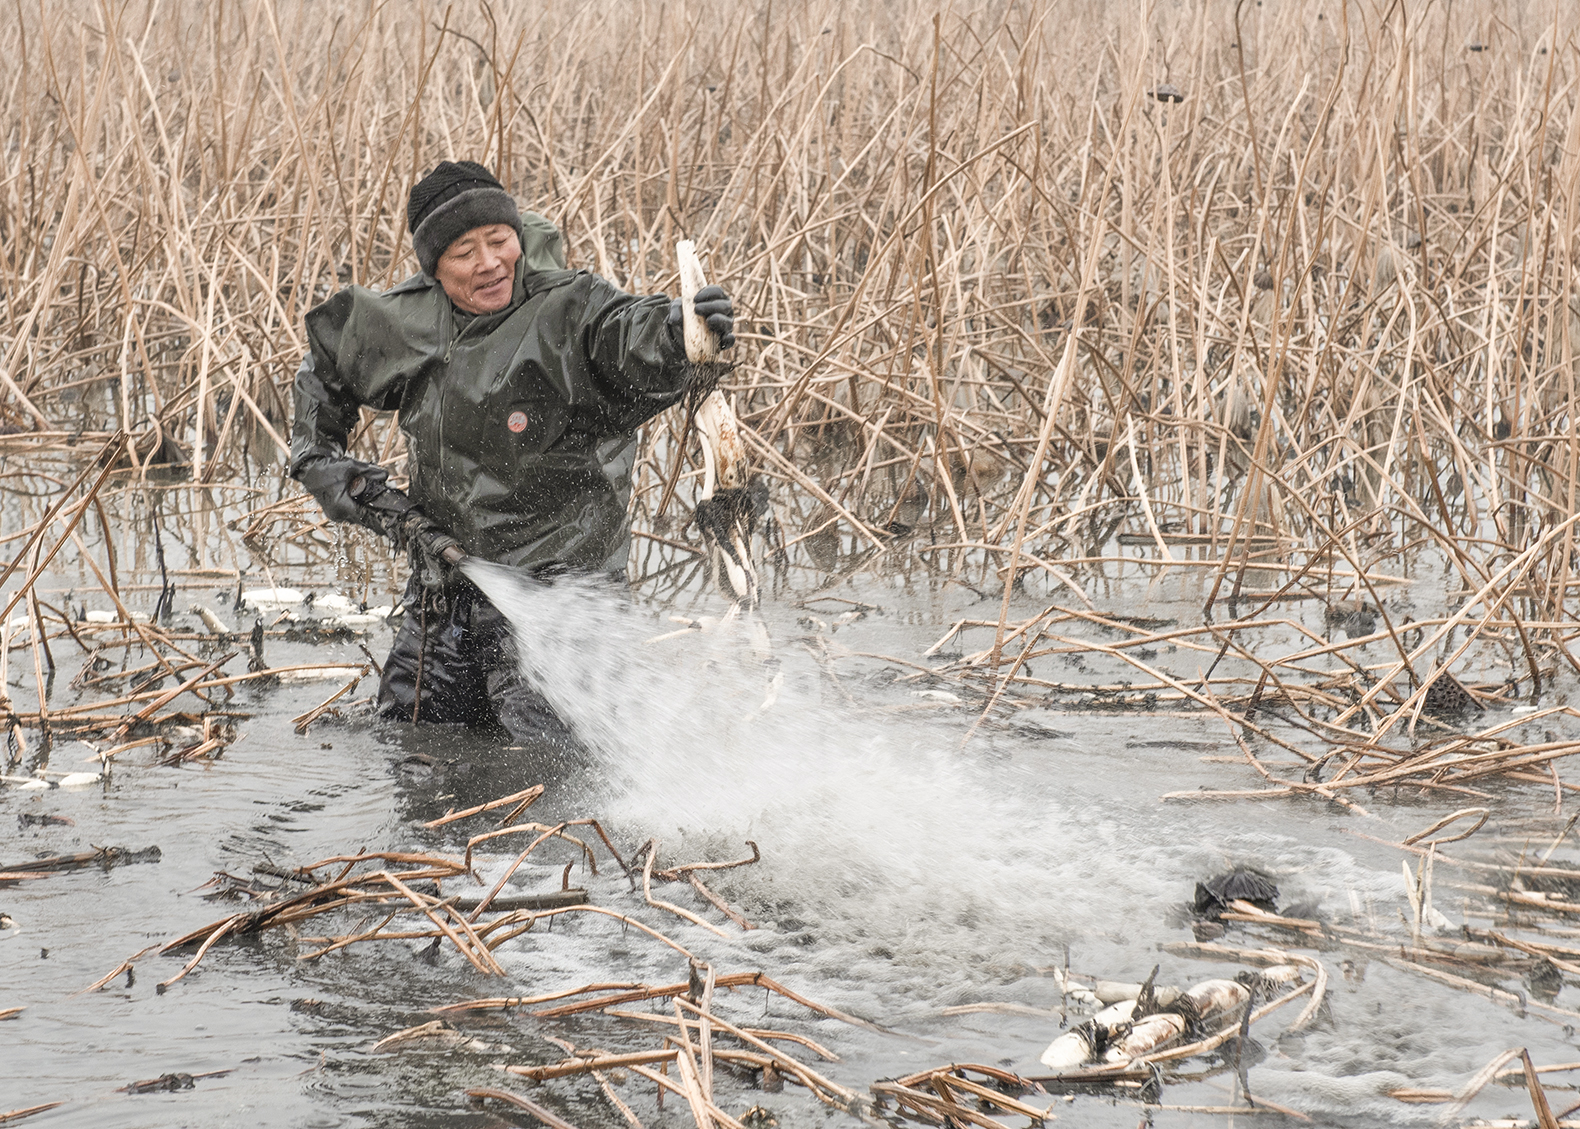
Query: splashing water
873	825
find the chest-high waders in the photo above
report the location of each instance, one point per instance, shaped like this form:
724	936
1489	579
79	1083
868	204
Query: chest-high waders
422	657
454	660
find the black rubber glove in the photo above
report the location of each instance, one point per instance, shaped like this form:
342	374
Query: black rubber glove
433	551
715	308
380	505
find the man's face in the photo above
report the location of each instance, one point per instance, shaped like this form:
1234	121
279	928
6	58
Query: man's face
478	270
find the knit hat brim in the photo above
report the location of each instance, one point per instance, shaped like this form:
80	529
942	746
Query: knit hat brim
476	207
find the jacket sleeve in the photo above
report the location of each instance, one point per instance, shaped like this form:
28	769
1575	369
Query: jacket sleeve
327	409
638	366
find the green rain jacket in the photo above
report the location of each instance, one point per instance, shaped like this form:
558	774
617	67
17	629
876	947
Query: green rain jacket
518	424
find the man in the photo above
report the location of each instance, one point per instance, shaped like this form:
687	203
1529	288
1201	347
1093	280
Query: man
519	385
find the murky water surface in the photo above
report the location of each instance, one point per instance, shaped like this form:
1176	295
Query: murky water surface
904	871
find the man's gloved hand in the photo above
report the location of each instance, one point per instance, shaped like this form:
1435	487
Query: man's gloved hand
433	551
393	525
714	307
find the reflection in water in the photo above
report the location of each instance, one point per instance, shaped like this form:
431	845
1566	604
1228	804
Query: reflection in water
440	768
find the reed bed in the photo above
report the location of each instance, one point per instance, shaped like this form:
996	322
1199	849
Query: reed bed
1274	304
1229	278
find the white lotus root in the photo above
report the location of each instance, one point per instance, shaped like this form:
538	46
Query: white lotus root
1069	1050
725	513
723	453
1114	1037
701	344
1215	998
1146	1036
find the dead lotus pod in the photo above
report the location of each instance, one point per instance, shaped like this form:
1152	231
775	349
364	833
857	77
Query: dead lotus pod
1167	92
1263	279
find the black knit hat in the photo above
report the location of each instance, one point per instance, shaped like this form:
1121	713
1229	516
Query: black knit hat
450	201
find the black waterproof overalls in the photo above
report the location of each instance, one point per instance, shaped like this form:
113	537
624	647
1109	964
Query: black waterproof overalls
518	429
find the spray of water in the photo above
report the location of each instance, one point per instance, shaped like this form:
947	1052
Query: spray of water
871	826
912	872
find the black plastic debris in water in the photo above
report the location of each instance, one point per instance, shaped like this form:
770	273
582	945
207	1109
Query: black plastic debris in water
1238	885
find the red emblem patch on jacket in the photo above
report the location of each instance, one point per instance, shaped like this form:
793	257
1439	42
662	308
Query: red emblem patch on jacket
517	422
